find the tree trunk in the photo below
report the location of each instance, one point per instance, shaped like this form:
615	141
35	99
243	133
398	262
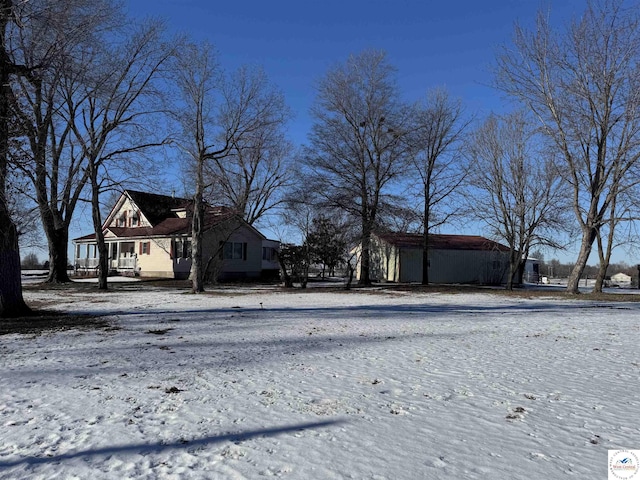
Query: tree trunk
600	277
519	278
54	225
306	264
588	237
288	282
103	254
11	301
365	256
58	239
512	269
197	270
604	252
425	240
351	271
605	258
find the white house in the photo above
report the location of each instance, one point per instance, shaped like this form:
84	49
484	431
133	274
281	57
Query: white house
150	235
470	259
621	278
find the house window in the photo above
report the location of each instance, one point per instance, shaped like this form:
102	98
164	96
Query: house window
268	254
181	248
234	251
145	248
177	248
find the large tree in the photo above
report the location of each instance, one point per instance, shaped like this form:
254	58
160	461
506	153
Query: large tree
355	152
583	86
11	300
514	188
434	140
110	113
198	79
56	40
220	117
253	174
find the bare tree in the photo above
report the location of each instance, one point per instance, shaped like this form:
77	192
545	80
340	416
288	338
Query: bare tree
56	40
219	117
438	126
253	174
24	211
108	113
514	189
616	227
197	76
355	152
11	299
583	86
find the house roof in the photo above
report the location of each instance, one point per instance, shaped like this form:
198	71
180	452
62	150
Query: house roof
161	211
175	225
442	242
157	208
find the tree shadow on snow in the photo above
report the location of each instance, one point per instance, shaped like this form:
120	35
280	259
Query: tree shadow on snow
45	321
372	312
185	444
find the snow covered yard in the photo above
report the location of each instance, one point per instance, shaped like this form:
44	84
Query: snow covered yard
321	385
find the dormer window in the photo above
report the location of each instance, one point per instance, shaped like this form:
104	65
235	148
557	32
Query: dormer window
122	220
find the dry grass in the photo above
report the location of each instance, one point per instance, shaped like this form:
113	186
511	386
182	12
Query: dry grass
41	322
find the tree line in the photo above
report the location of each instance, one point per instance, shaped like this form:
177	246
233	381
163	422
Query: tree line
554	268
89	99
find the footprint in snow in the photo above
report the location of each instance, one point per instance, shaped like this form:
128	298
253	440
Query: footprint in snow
436	462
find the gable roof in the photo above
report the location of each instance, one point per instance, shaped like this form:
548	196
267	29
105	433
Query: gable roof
174	225
442	242
157	208
161	212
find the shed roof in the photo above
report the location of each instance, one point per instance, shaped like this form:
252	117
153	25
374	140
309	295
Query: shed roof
439	241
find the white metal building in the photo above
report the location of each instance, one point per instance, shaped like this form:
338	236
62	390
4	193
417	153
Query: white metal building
468	259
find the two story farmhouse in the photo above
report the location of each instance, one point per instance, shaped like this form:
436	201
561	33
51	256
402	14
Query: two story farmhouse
150	235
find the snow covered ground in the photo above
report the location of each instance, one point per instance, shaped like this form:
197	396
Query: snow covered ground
251	383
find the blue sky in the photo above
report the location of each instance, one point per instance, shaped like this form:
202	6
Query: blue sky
431	43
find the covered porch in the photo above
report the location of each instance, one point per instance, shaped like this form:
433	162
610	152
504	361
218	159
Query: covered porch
122	257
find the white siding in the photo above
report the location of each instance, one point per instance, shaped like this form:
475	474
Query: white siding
393	264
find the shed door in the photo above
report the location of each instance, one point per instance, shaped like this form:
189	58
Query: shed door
410	265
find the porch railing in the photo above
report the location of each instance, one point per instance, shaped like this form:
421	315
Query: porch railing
127	263
87	262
